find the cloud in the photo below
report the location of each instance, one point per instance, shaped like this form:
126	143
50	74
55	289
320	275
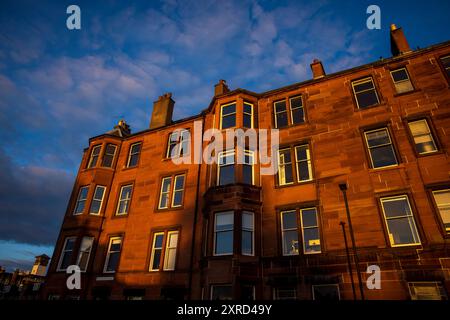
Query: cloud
33	201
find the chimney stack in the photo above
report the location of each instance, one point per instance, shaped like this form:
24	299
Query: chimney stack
162	111
317	69
123	127
399	45
221	88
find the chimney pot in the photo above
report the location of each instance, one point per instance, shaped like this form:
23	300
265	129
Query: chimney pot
317	69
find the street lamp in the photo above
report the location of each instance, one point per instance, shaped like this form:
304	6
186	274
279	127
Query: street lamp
343	187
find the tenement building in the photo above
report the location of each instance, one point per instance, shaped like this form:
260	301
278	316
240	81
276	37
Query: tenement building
370	143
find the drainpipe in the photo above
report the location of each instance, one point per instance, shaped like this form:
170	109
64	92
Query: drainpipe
194	223
350	269
343	187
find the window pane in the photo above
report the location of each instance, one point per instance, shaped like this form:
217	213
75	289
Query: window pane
224	221
247	121
179	182
221	293
289	219
281	120
404	86
247	174
159	240
229	109
224	242
177	198
226	175
166	184
156	259
303	171
377	138
113	261
286	293
247	242
399	75
290	242
108	157
309	217
311	240
126	192
170	255
229	121
94	156
164	203
298	116
362	85
426	291
396	208
280	106
247	220
95	207
285	156
133	160
402	231
66	260
383	156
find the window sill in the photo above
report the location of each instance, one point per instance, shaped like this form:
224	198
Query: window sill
392	167
130	168
379	105
424	155
163	210
406	93
98	168
120	216
294	184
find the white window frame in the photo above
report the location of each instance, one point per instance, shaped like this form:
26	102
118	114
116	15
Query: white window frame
276	113
224	154
314	227
63	251
161	193
96	147
277	289
152	257
284	164
131	153
401	81
361	81
80	252
108	254
428	133
233	113
251	114
326	285
394	198
178	144
438	206
108	154
177	190
381	145
292	109
228	230
283	230
81	200
308	161
125	199
168	248
100	200
252	230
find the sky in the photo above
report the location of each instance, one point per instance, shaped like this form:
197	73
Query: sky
58	87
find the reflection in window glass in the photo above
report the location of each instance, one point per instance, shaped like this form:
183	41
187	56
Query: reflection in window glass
380	148
365	93
423	139
289	232
442	200
223	233
228	116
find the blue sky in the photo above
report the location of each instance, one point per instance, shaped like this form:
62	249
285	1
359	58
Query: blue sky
60	87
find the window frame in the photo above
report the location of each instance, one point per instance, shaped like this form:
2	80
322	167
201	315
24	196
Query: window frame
430	132
251	155
101	200
360	81
78	200
167	248
179	142
171	191
63	251
438	285
413	219
234	113
153	250
286	165
247	212
302	227
94	147
293	165
106	154
326	285
131	154
89	254
119	200
232	230
252	115
308	161
392	143
108	253
291	109
275	113
442	67
283	230
396	82
224	154
445	232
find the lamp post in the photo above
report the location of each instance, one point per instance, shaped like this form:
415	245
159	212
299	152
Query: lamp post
343	187
350	269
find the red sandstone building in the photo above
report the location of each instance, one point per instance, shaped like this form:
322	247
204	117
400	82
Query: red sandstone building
142	227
